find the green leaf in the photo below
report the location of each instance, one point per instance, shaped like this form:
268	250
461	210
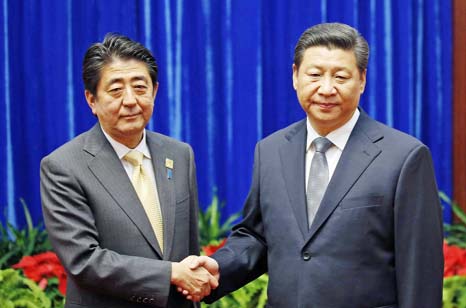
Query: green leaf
458	212
454	206
28	241
27	214
444	197
6	257
228	224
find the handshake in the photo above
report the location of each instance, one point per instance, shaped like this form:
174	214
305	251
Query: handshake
195	276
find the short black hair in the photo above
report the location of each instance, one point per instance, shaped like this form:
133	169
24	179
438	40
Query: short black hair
114	46
333	35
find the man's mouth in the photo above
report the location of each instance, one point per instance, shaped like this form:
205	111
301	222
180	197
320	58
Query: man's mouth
130	115
325	105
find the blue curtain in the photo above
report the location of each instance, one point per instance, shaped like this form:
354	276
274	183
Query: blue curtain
225	79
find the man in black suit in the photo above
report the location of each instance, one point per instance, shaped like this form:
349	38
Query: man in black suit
343	211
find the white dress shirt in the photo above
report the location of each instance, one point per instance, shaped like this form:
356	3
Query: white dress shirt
338	137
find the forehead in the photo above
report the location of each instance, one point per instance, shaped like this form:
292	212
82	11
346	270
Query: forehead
124	70
321	56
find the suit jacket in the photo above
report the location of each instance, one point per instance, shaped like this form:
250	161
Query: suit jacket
376	240
100	230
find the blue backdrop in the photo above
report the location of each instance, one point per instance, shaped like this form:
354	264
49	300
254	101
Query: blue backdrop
225	79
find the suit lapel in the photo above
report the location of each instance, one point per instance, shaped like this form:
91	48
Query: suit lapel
107	168
165	188
292	156
358	154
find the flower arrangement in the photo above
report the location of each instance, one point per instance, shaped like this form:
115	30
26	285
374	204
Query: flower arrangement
455	260
454	282
46	270
28	265
454	251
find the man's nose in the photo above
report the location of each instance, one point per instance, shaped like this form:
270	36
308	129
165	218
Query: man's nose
128	97
327	86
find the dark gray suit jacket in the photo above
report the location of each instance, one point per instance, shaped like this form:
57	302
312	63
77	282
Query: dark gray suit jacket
376	240
100	230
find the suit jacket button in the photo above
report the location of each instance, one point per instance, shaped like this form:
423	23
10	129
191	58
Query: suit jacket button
306	256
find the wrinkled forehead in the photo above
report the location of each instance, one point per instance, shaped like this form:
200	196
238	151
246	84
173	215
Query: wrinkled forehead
124	69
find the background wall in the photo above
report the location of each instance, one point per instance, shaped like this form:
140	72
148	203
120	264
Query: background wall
225	79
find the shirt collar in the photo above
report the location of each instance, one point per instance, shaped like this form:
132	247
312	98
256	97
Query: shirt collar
121	149
339	137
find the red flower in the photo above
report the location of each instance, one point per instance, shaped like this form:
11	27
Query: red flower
42	266
455	260
212	248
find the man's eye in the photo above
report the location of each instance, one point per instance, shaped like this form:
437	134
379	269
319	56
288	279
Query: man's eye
114	90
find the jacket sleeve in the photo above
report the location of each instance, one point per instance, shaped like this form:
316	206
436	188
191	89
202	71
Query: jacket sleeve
418	233
244	256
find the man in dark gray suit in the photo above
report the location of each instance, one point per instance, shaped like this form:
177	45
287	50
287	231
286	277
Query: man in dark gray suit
350	220
120	202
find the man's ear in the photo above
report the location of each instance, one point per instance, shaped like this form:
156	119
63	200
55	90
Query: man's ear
363	81
91	101
295	76
156	88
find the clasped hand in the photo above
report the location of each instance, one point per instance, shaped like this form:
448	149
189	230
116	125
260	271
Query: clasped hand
195	276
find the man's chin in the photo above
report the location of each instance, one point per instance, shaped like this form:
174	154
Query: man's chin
131	130
324	115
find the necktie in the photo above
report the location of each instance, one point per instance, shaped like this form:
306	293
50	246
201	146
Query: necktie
147	194
318	177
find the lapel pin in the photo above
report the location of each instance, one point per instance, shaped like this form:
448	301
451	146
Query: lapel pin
168	163
169	166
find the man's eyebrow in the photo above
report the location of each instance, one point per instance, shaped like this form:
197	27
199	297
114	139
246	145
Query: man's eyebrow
135	78
335	68
113	80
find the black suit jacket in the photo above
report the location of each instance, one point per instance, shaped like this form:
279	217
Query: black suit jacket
376	240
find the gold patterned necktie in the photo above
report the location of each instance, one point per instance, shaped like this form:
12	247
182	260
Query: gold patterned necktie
147	193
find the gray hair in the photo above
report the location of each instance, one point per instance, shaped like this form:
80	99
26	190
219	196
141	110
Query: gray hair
114	46
333	36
